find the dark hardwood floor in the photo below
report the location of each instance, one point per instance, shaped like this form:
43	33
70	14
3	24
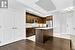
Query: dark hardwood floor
52	44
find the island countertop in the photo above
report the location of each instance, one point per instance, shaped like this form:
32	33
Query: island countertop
45	28
43	34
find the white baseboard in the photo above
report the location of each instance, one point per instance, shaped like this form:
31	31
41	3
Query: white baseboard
2	44
65	36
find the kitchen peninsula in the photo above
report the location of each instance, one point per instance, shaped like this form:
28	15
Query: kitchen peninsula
43	34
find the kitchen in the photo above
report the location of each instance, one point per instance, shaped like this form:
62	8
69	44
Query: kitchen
35	24
26	23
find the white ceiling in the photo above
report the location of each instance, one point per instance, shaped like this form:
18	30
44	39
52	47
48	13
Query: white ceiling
74	3
45	7
50	5
62	4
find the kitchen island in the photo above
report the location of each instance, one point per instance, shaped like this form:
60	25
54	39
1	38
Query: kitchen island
43	34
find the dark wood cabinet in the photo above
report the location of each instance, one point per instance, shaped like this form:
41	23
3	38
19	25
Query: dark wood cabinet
42	35
41	20
49	18
30	32
31	18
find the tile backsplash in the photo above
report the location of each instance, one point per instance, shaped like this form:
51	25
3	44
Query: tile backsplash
49	23
35	25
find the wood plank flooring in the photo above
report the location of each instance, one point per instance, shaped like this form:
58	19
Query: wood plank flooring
52	44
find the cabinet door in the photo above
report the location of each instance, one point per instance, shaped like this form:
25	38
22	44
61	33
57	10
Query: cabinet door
6	24
19	25
39	36
30	32
1	28
29	18
12	26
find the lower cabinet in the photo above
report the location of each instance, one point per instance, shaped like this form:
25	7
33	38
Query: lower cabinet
30	32
43	35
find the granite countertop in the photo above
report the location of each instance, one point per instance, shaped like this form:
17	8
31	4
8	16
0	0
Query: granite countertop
45	28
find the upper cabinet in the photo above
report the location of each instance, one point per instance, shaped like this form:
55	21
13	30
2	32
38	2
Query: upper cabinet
41	20
31	18
49	18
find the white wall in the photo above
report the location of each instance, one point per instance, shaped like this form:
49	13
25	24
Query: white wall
73	23
60	25
14	16
73	31
64	25
56	24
